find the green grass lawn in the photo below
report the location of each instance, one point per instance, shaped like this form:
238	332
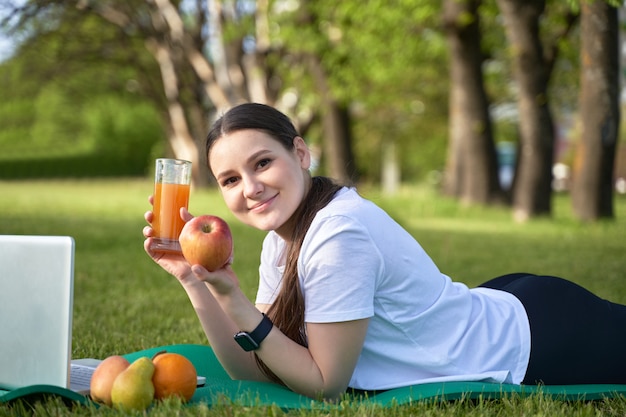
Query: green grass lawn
124	302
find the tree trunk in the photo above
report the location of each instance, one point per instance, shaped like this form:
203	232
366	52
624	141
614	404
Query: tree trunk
592	193
471	167
337	142
254	64
390	177
180	139
186	73
532	187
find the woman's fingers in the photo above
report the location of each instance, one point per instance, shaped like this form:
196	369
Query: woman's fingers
148	231
218	280
185	215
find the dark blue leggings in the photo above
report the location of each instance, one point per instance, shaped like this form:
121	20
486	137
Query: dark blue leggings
576	337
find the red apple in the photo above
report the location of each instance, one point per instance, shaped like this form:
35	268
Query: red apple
207	241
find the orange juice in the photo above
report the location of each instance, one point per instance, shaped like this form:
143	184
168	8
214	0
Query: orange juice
168	199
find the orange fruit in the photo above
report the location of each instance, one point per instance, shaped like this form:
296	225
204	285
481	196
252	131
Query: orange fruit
174	375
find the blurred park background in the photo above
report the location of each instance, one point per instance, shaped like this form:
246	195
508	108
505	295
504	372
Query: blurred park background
503	102
455	116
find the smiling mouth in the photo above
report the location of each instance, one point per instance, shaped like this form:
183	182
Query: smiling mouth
260	205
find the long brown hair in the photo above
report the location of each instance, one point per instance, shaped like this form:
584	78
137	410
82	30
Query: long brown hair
287	311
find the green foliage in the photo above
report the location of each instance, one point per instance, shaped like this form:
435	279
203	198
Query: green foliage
127	130
75	102
107	137
17	109
388	60
124	302
57	128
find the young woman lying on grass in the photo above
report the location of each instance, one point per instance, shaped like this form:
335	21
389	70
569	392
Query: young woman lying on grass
347	299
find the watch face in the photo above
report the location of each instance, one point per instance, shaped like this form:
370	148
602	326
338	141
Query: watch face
246	342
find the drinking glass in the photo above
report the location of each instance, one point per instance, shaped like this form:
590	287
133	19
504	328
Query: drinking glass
172	182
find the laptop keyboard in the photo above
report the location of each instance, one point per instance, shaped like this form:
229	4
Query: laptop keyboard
80	375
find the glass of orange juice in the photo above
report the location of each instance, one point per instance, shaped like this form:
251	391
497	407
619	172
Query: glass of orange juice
172	182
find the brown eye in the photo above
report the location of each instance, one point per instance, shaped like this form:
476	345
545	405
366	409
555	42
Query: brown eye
229	181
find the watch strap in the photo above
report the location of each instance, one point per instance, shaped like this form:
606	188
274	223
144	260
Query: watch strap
262	330
252	340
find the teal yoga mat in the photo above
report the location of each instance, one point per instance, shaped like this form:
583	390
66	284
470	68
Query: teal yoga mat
221	389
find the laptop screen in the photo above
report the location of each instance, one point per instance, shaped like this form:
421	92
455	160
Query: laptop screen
36	297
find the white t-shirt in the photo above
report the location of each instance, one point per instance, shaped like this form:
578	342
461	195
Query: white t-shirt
356	262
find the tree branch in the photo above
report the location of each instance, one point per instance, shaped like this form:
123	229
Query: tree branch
552	50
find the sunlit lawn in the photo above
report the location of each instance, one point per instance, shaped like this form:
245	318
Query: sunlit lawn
124	302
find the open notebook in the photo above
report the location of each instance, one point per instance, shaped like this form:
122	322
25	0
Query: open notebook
36	306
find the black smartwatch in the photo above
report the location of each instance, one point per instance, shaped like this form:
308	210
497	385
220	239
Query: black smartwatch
252	341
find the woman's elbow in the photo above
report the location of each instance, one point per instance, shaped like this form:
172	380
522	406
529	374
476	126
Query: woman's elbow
331	392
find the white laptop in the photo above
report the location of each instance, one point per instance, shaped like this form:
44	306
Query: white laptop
36	305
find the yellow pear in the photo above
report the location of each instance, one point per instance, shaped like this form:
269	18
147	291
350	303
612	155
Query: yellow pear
133	388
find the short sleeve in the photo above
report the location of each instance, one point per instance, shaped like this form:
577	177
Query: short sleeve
270	271
339	267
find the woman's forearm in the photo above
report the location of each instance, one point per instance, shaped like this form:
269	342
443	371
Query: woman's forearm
322	369
219	330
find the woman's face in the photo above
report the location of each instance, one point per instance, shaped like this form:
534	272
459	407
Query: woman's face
262	182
